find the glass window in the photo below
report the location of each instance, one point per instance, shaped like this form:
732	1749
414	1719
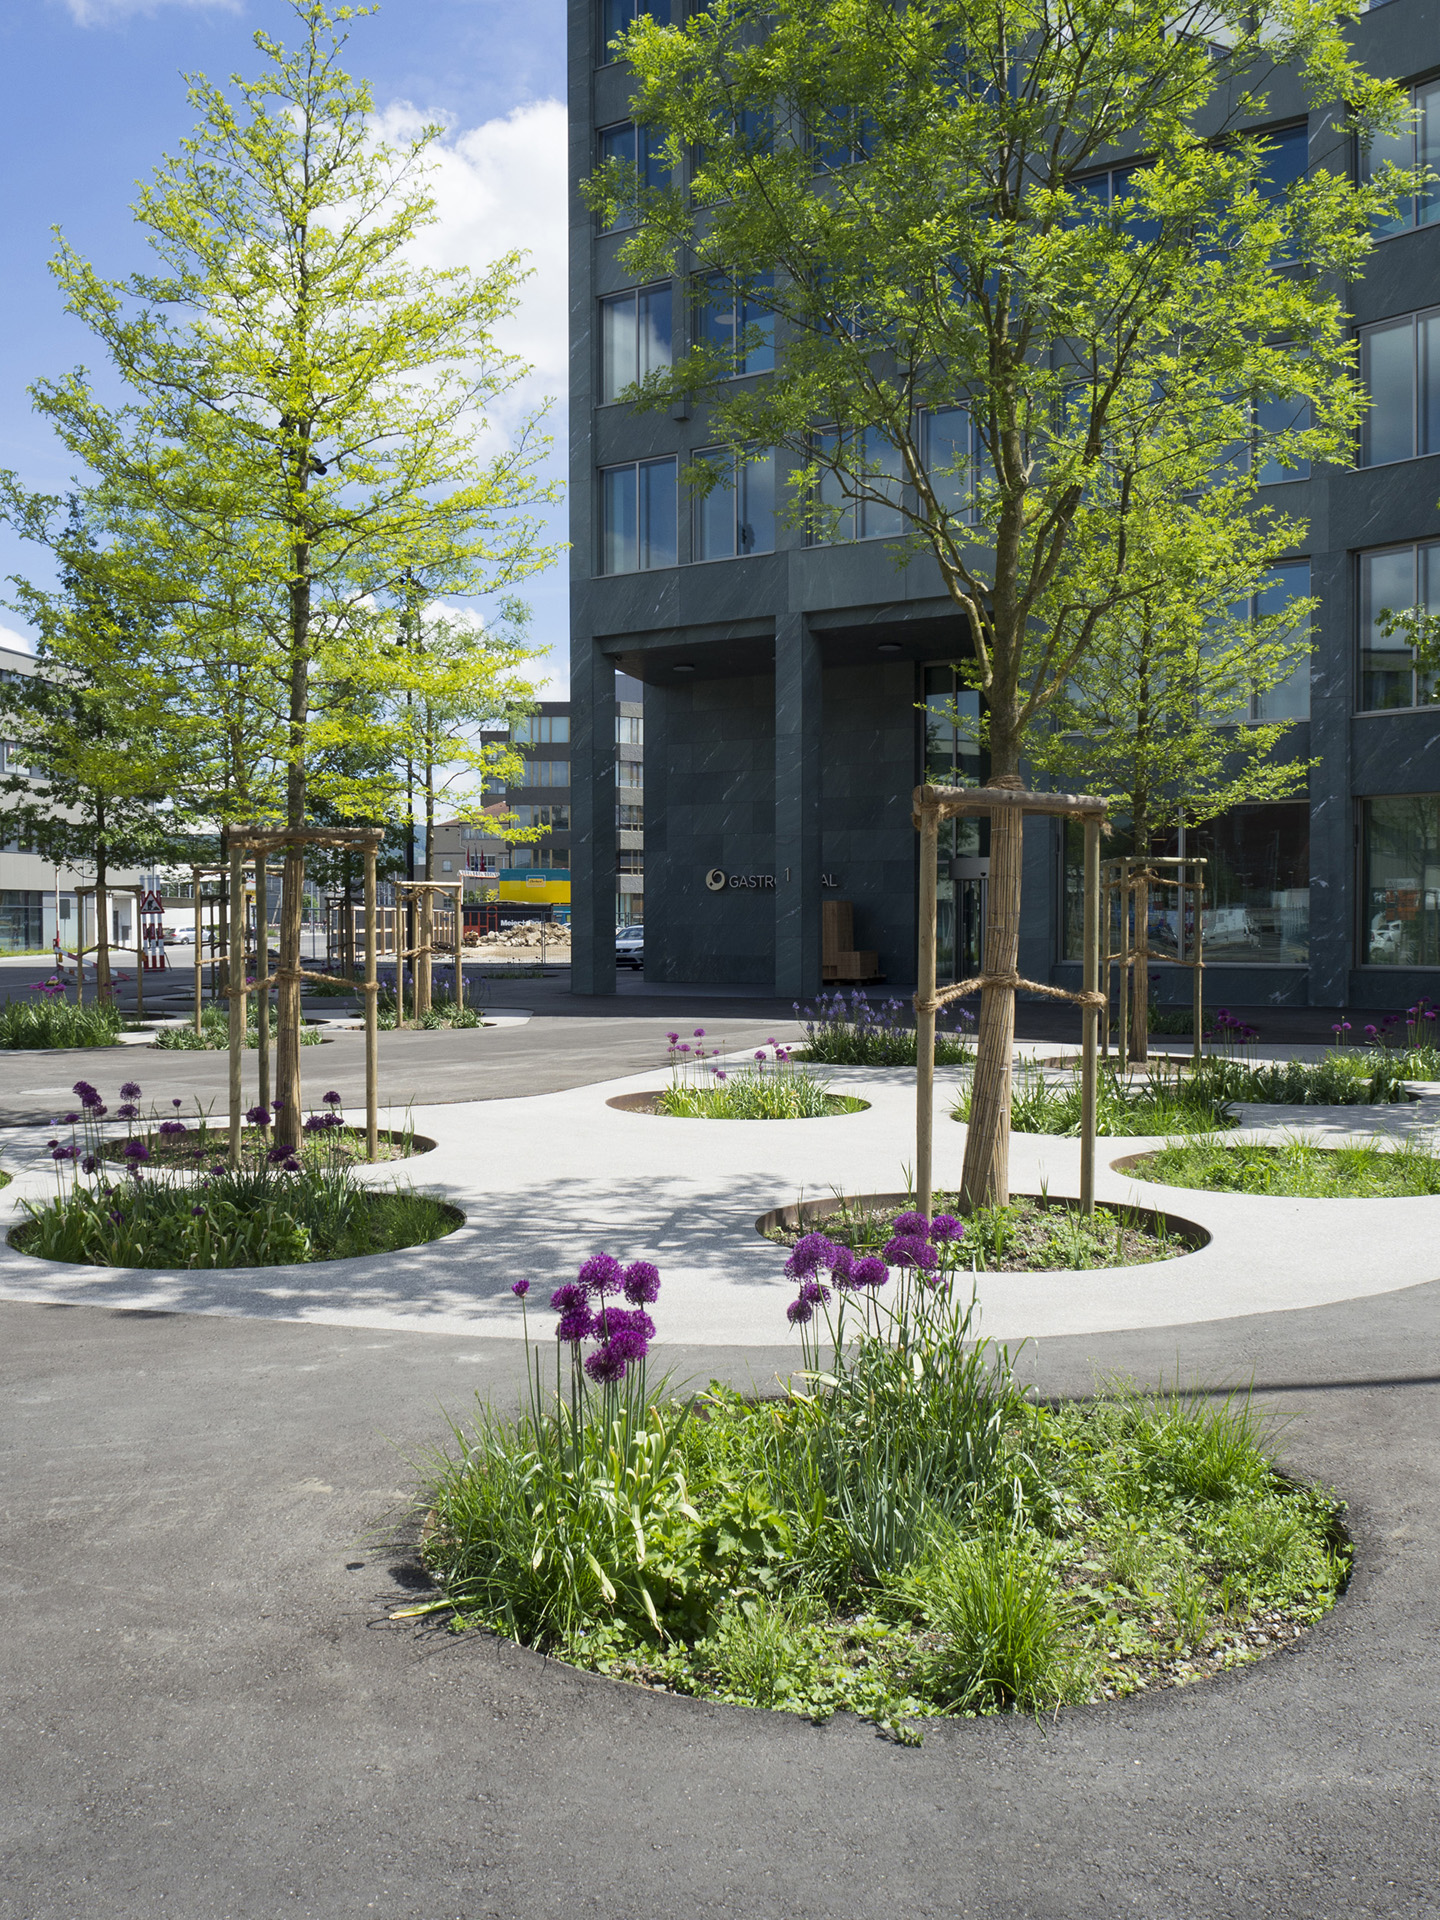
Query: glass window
629	730
735	323
542	729
1274	417
638	147
1400	366
1414	147
635	337
1290	700
1286	162
617	15
1400	901
1395	580
841	140
545	773
637	516
955	459
630	815
629	773
737	517
878	460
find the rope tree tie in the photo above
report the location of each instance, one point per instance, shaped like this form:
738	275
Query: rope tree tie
933	804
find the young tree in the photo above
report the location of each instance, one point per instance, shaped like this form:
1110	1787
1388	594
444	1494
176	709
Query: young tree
1026	280
95	762
305	438
1157	714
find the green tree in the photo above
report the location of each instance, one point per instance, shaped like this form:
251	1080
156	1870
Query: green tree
1157	715
1026	279
305	431
94	761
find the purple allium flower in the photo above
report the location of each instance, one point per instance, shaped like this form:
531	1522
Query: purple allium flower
673	1038
605	1366
117	1218
52	1143
720	1073
815	1293
277	1103
87	1094
177	1101
575	1325
699	1033
910	1250
519	1288
90	1164
683	1047
70	1119
809	1254
128	1112
911	1225
760	1053
291	1164
171	1129
799	1313
602	1273
332	1100
627	1320
946	1227
197	1213
258	1116
130	1090
642	1283
99	1110
842	1268
274	1156
136	1150
569	1298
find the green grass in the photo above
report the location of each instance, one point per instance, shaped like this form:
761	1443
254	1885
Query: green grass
1042	1105
903	1534
247	1219
853	1033
1339	1079
1297	1170
214	1034
58	1023
755	1093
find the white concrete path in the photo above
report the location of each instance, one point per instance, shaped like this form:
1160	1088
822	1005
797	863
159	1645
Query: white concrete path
547	1180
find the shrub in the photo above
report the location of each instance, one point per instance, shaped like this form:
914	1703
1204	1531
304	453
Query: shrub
1039	1104
52	1022
854	1033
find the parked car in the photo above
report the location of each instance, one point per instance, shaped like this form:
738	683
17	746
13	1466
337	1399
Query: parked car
630	947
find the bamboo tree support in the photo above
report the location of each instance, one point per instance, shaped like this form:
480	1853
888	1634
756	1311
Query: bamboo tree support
262	979
199	948
372	1019
415	904
931	805
137	947
1125	883
1090	1014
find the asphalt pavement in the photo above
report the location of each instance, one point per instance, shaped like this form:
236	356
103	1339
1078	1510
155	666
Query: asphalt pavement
210	1714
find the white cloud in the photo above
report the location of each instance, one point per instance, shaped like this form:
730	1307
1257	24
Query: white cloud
16	642
498	186
99	13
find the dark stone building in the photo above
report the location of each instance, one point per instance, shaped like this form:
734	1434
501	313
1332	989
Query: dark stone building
785	684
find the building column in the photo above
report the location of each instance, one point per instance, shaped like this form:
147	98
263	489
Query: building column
797	808
592	819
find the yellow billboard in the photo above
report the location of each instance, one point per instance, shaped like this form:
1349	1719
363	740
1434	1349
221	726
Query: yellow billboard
546	888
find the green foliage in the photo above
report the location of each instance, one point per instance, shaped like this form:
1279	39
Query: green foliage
1340	1080
901	1534
215	1033
862	1035
58	1023
756	1093
1039	1104
246	1219
1299	1169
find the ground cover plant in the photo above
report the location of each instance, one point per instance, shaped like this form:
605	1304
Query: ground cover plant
1340	1079
770	1086
186	1209
52	1021
1160	1104
902	1532
1027	1235
441	1012
853	1033
1298	1169
214	1034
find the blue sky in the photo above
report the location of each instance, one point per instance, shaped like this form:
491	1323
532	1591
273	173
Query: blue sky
91	96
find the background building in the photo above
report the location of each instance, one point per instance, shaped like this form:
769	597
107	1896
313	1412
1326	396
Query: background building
786	684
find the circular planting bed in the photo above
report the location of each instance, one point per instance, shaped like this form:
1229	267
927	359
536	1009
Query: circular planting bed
904	1534
174	1145
654	1103
1036	1233
1295	1169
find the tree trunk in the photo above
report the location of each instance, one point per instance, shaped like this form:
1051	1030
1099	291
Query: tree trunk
985	1180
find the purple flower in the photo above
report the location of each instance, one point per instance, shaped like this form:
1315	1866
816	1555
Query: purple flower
519	1288
842	1268
87	1095
90	1164
946	1227
809	1254
171	1129
177	1102
683	1047
569	1298
575	1325
64	1153
69	1119
699	1033
815	1293
871	1272
642	1283
673	1038
291	1164
911	1225
197	1213
910	1250
277	1103
258	1116
136	1150
759	1053
99	1110
130	1090
602	1274
332	1099
128	1112
720	1073
628	1320
799	1313
275	1156
605	1366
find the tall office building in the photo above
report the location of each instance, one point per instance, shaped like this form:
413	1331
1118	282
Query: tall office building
787	685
